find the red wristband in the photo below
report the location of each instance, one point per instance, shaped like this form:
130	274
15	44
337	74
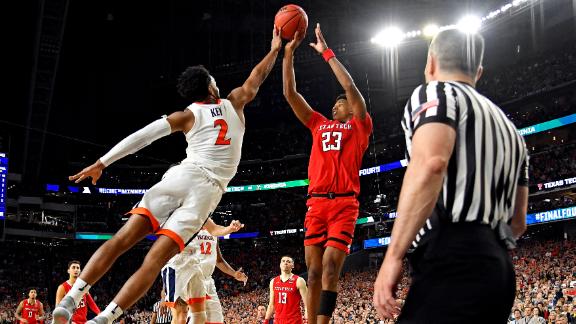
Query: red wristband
328	54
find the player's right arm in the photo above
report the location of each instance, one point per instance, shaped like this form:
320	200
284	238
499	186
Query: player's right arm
219	230
270	309
301	108
18	313
180	121
60	293
242	95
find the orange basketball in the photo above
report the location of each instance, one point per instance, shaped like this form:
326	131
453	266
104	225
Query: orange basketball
289	19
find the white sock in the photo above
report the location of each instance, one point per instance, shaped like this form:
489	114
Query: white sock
197	317
78	290
112	312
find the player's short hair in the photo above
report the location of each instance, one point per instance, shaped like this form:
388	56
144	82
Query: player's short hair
29	290
457	51
193	83
74	262
287	256
341	96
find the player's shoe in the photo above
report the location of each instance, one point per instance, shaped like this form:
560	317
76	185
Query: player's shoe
99	320
63	311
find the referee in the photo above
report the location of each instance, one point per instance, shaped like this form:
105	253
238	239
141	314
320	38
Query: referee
463	199
160	313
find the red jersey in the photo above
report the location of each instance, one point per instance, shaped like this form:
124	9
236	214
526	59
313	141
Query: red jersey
286	299
81	313
30	311
337	150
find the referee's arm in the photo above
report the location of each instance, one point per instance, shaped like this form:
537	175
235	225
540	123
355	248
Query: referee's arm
518	222
432	147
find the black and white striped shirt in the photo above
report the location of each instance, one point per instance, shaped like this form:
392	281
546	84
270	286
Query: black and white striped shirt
489	160
163	313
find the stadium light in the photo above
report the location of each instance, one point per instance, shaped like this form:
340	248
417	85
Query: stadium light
430	30
389	37
469	24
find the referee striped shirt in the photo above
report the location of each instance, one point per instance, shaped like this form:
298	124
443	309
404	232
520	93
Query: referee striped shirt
163	314
489	159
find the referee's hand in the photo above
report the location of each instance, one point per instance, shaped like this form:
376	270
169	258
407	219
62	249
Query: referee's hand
385	288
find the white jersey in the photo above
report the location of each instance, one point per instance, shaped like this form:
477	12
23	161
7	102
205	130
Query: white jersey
206	246
215	140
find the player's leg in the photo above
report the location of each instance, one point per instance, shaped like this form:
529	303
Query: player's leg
135	229
139	283
179	310
332	262
214	313
313	255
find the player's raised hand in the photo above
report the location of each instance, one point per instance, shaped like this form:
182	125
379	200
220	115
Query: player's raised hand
320	46
94	171
241	276
235	226
276	44
295	42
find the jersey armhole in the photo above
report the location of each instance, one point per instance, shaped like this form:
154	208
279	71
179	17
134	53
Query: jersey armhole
237	112
195	126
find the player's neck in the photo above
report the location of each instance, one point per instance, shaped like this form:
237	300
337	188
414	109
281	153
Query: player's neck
458	77
285	275
71	280
211	100
31	300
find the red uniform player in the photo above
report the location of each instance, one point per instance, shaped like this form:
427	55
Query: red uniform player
31	310
286	292
80	316
337	149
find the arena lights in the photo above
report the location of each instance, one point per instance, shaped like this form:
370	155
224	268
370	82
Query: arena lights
390	37
468	24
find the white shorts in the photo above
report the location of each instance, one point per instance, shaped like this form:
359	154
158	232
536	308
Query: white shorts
179	205
213	305
182	278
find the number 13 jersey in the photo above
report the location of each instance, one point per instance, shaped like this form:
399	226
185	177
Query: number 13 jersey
337	150
215	139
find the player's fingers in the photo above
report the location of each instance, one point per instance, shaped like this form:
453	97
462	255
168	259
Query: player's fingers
80	178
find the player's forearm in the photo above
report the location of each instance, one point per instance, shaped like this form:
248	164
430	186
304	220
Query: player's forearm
421	184
269	312
219	230
137	141
261	71
352	93
225	267
288	76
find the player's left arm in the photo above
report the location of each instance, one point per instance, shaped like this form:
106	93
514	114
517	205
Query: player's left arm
242	95
219	230
42	315
353	95
303	289
223	265
92	304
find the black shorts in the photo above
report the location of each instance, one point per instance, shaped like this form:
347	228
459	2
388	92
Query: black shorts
463	275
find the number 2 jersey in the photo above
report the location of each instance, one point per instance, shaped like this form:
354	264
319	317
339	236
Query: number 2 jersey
286	299
336	156
215	140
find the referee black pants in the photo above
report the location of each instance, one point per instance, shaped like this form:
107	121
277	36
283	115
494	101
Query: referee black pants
463	275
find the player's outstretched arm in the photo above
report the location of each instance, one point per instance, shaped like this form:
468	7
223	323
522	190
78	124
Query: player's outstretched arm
223	265
270	309
241	96
301	108
18	313
219	230
178	121
353	95
303	289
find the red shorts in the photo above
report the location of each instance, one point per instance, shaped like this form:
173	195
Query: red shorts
331	222
295	320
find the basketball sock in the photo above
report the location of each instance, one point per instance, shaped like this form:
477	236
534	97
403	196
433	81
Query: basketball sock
78	290
112	312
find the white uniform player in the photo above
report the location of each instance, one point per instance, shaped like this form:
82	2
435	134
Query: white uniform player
207	255
188	193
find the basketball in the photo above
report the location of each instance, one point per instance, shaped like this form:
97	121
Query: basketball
289	19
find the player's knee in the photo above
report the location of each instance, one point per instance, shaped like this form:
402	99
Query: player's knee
330	271
314	275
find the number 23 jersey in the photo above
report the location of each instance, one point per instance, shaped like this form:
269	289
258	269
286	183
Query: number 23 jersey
337	150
